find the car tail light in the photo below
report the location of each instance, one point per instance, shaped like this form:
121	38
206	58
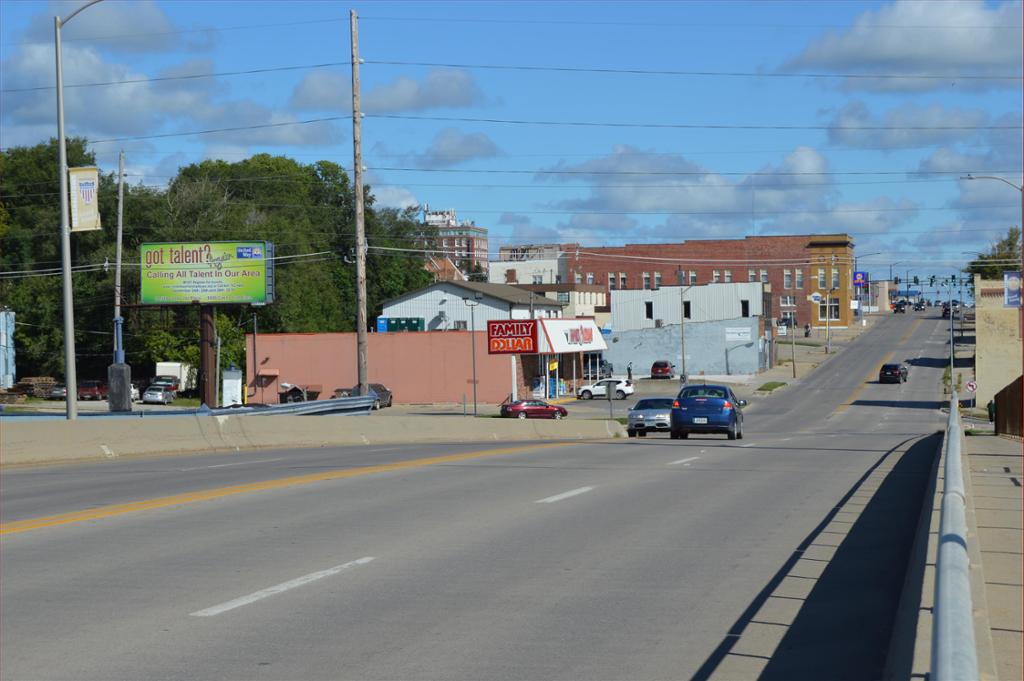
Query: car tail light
675	404
727	405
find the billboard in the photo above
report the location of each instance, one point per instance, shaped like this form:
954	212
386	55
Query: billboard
1011	289
512	336
207	272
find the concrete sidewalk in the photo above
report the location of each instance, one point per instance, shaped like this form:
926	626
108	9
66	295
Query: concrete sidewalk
994	468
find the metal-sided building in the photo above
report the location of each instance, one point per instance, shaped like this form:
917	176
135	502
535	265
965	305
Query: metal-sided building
651	309
468	305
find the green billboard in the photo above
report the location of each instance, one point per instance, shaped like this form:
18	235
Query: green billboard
207	272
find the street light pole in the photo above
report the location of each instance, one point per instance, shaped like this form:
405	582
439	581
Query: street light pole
477	297
70	375
860	312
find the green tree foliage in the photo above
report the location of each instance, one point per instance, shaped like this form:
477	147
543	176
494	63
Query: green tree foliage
307	211
1003	256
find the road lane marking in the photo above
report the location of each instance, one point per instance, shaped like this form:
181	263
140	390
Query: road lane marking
867	379
108	511
225	465
280	588
692	458
564	495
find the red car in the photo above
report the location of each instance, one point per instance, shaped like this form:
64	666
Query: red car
662	369
92	390
533	409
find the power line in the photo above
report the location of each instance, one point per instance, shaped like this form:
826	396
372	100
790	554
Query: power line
216	130
192	76
685	126
495	171
667	72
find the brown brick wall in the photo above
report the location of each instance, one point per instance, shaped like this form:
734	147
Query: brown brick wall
772	253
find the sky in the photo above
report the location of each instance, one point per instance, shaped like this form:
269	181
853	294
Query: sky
601	123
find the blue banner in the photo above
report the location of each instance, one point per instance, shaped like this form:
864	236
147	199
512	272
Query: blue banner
860	278
1011	289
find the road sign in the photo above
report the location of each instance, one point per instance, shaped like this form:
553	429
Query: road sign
971	386
860	278
815	297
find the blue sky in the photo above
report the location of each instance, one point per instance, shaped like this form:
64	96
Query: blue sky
603	123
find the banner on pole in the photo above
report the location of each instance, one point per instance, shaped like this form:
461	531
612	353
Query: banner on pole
1011	289
85	199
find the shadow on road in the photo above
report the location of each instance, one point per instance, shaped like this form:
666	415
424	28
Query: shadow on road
931	405
843	628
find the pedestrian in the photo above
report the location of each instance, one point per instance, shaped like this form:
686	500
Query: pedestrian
991	410
807	330
629	371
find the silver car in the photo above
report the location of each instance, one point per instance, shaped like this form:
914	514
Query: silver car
158	394
650	414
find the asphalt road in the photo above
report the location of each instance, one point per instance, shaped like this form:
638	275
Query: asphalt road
780	556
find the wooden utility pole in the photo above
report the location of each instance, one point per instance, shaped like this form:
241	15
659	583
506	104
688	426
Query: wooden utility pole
357	158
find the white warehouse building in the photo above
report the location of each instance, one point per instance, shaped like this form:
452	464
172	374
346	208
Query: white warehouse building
468	305
632	310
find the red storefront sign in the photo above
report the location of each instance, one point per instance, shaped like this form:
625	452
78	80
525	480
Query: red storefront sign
511	336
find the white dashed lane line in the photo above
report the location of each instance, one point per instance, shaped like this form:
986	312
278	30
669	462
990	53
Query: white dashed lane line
683	461
225	465
280	588
564	495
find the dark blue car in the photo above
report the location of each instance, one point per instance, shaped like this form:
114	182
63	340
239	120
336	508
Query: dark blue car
707	409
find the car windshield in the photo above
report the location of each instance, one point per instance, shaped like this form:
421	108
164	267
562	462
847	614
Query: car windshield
702	391
659	403
890	367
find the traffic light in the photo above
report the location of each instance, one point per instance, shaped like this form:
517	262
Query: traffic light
931	282
896	280
916	281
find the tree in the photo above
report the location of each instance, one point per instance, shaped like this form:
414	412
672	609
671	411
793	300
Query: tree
306	211
1003	256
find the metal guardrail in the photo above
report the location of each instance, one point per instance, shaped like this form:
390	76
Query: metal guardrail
340	406
954	653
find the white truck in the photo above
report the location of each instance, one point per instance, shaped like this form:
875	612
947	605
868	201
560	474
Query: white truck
185	373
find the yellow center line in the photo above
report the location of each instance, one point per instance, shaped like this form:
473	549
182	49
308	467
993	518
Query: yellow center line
280	483
873	374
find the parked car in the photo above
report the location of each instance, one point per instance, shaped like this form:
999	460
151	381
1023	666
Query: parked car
918	306
650	414
92	390
707	409
532	409
383	395
158	394
663	369
620	389
58	392
173	381
893	373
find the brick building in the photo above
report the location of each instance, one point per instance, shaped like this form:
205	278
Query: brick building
795	267
461	241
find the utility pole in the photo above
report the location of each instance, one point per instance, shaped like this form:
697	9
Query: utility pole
792	346
682	334
119	374
357	158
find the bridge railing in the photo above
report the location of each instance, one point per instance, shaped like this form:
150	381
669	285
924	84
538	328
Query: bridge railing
954	652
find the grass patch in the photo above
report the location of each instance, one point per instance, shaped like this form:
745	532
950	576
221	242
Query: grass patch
623	420
186	402
771	385
808	343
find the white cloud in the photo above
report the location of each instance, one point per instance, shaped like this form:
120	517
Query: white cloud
440	88
950	39
112	27
907	127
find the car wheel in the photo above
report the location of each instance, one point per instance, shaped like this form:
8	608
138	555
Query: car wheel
683	435
732	431
630	432
586	395
620	395
641	433
376	405
558	416
739	431
521	415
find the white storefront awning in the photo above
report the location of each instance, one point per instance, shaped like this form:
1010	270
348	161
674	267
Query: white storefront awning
569	335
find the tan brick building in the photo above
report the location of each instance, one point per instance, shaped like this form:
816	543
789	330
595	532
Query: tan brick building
997	360
795	267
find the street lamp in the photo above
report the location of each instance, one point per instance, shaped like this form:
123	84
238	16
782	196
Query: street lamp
70	376
860	312
471	303
1020	190
828	319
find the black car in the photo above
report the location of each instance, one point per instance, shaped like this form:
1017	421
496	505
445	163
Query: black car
893	373
900	307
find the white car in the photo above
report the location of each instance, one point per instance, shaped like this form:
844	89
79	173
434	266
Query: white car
619	388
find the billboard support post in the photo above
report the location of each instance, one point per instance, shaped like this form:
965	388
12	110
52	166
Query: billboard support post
207	355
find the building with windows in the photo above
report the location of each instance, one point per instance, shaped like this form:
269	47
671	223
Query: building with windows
531	264
468	305
460	240
580	300
809	276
